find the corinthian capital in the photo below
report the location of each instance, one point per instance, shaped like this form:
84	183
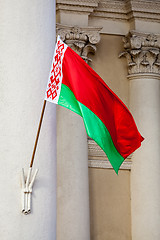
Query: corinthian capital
82	40
142	52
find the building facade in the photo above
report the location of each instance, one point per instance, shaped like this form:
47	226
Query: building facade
120	40
77	194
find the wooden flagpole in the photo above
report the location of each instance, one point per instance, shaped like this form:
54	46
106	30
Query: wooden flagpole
27	183
38	132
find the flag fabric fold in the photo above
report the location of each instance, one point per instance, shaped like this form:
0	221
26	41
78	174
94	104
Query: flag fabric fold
75	85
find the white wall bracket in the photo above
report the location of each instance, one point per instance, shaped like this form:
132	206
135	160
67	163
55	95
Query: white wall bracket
27	184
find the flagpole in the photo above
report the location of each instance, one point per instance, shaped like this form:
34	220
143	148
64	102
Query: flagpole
38	132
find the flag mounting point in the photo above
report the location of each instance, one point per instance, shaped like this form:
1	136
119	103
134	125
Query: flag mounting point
27	185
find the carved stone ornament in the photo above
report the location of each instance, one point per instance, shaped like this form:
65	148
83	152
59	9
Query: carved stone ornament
127	10
142	52
79	6
121	10
82	40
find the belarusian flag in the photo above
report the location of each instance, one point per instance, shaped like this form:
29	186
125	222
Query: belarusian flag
73	84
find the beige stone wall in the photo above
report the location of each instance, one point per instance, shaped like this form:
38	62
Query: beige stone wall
110	214
110	210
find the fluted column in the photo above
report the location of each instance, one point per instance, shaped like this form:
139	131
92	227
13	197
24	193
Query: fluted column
143	56
73	187
27	40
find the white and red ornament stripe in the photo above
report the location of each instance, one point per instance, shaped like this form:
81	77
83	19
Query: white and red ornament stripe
55	78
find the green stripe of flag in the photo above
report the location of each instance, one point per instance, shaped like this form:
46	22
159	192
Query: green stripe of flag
94	126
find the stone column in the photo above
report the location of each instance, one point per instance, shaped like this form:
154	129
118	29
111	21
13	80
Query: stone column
27	40
72	152
143	55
